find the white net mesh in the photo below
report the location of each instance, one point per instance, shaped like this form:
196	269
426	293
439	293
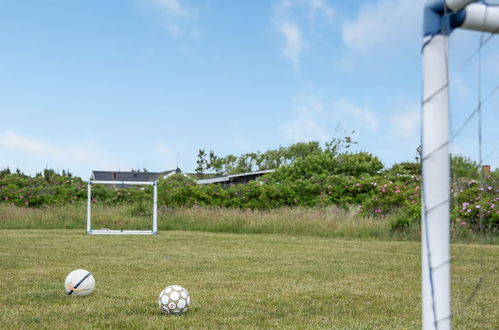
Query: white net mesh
474	125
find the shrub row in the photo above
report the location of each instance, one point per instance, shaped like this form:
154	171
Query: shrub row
316	181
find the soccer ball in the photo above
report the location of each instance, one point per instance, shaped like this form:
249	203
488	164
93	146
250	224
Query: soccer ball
174	300
79	283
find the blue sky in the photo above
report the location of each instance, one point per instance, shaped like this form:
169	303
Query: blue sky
131	84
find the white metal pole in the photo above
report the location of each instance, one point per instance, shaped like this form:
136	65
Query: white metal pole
436	186
456	5
89	207
155	209
482	17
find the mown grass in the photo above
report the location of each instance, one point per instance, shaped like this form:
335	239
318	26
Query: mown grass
236	281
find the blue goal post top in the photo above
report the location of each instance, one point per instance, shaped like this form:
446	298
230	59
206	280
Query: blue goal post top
440	19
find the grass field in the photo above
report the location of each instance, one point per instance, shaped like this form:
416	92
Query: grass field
235	281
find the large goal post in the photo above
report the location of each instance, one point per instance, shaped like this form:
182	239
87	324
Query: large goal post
441	17
154	229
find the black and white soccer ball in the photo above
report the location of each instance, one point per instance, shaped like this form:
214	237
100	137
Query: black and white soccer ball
79	283
174	300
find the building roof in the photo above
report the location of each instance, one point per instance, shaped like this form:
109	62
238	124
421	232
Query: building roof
121	176
234	177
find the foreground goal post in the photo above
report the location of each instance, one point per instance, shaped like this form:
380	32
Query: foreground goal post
441	17
154	229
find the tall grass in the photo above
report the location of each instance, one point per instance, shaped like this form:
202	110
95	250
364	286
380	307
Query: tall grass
324	222
53	217
321	222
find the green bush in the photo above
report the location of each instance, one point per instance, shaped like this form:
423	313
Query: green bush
317	179
140	209
406	217
357	164
393	193
405	168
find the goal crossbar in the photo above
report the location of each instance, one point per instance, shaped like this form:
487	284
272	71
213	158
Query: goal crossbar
154	229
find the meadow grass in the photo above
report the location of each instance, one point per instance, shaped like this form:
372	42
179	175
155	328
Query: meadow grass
326	222
330	221
235	281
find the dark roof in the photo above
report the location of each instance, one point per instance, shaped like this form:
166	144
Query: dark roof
131	176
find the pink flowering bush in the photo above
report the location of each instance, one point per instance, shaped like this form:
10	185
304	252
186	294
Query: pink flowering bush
46	188
476	204
397	196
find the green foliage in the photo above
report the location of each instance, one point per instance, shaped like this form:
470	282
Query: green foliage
201	162
51	188
406	218
5	172
393	193
357	164
46	188
463	167
140	209
407	168
325	163
476	206
307	175
270	159
305	168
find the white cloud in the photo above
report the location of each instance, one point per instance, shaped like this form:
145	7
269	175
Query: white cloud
385	23
357	117
172	7
406	123
179	19
164	150
293	42
169	156
304	129
294	19
318	118
30	153
13	141
309	121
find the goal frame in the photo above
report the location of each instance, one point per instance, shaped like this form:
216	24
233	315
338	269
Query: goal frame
440	18
153	231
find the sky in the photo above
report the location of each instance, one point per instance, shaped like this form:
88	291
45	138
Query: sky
132	84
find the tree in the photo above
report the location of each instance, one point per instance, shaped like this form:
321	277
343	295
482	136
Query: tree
5	172
268	160
463	167
201	162
336	145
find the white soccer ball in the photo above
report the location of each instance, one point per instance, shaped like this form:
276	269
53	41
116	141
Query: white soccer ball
79	283
174	300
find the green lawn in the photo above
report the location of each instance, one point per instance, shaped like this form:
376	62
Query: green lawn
235	281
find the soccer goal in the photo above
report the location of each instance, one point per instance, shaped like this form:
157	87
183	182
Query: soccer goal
441	18
154	229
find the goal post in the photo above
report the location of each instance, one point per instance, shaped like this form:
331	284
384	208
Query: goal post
441	17
154	229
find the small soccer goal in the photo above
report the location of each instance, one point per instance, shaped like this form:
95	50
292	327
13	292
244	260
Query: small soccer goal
154	228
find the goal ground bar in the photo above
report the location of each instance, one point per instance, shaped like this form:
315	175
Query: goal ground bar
121	232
